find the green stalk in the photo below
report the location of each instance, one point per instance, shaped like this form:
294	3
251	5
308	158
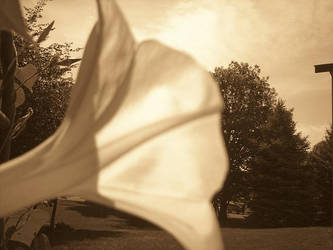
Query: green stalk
8	65
52	221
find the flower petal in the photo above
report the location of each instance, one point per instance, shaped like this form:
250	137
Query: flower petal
161	155
106	62
27	75
11	18
59	157
142	133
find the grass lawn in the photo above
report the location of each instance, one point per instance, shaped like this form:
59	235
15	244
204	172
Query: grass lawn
95	227
312	238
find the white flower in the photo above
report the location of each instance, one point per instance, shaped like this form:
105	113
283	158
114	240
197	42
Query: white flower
141	134
11	18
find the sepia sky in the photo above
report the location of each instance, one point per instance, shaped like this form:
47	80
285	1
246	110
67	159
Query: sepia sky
285	38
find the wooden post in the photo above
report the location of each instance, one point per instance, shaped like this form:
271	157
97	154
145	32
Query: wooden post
331	72
319	69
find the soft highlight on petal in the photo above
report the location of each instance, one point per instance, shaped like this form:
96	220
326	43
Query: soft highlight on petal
11	18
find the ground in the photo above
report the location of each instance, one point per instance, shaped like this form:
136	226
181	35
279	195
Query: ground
89	226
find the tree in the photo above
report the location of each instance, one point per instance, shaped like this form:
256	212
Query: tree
248	100
50	94
321	164
279	182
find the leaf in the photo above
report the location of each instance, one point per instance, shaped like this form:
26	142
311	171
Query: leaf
68	62
10	232
21	123
45	33
20	96
11	18
27	75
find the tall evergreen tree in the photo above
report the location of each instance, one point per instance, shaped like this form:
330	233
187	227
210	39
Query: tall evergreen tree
321	164
279	197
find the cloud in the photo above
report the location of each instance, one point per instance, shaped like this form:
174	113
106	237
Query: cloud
192	26
315	133
146	17
285	38
74	26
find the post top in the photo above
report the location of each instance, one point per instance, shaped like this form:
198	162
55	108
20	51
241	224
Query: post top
324	68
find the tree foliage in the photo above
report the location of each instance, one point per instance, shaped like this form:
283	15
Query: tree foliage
279	190
51	92
321	164
248	102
